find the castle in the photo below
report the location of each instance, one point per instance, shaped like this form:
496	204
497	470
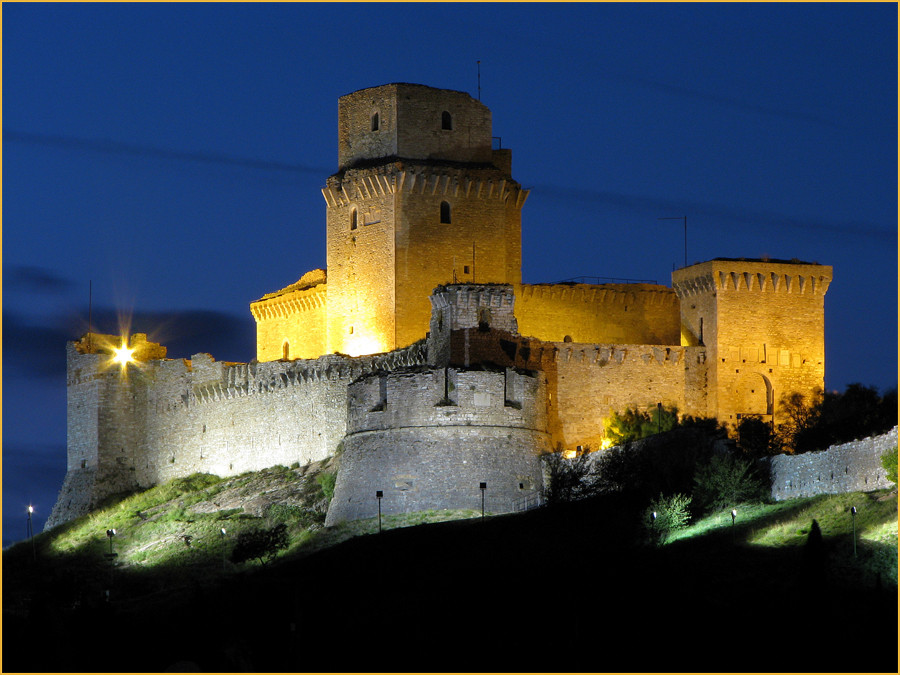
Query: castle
420	356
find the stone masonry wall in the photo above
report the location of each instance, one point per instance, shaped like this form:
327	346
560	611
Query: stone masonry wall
588	383
599	313
849	467
162	419
428	438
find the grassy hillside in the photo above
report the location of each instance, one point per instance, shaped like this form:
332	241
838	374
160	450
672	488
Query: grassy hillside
575	587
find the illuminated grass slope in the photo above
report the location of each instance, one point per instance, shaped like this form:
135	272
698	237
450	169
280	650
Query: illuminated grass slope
554	589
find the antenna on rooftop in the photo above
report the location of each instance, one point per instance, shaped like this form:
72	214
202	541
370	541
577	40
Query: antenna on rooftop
479	79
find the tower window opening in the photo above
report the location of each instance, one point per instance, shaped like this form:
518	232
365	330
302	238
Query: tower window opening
465	269
375	122
445	212
353	219
446	121
286	350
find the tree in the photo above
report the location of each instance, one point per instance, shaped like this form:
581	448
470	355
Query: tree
567	479
260	544
726	480
829	418
757	438
634	424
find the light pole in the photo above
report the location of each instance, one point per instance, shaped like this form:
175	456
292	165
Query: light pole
378	495
109	535
853	516
31	533
653	527
658	417
733	516
222	532
482	487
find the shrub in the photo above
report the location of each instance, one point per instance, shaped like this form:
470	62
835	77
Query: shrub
662	464
326	481
726	480
889	462
672	513
260	544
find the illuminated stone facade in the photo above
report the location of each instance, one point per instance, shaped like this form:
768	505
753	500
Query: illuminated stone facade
420	352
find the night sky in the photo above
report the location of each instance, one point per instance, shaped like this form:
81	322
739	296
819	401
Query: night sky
170	157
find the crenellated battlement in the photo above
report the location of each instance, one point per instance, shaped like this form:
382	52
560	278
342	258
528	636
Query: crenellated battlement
612	294
444	182
724	275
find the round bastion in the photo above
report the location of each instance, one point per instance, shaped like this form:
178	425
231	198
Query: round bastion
427	438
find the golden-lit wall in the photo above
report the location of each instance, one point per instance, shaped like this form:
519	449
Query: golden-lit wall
290	323
763	325
480	244
612	313
389	242
591	382
360	262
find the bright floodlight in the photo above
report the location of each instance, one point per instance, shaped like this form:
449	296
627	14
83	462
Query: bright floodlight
30	509
123	354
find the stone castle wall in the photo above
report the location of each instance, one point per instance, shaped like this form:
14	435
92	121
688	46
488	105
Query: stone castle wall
849	467
163	419
428	438
599	313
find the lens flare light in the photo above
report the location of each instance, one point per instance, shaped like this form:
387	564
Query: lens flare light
123	355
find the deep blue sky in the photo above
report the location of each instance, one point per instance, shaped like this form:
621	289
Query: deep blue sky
173	155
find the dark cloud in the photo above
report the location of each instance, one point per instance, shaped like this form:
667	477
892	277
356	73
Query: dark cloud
716	212
116	147
34	280
38	350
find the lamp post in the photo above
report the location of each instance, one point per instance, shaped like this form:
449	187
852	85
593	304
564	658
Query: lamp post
733	516
482	487
109	535
31	533
653	526
378	495
222	532
658	417
853	516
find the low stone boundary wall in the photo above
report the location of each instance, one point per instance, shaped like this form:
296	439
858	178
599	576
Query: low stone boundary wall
849	467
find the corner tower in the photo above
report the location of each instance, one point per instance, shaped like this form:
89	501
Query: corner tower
421	198
763	325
